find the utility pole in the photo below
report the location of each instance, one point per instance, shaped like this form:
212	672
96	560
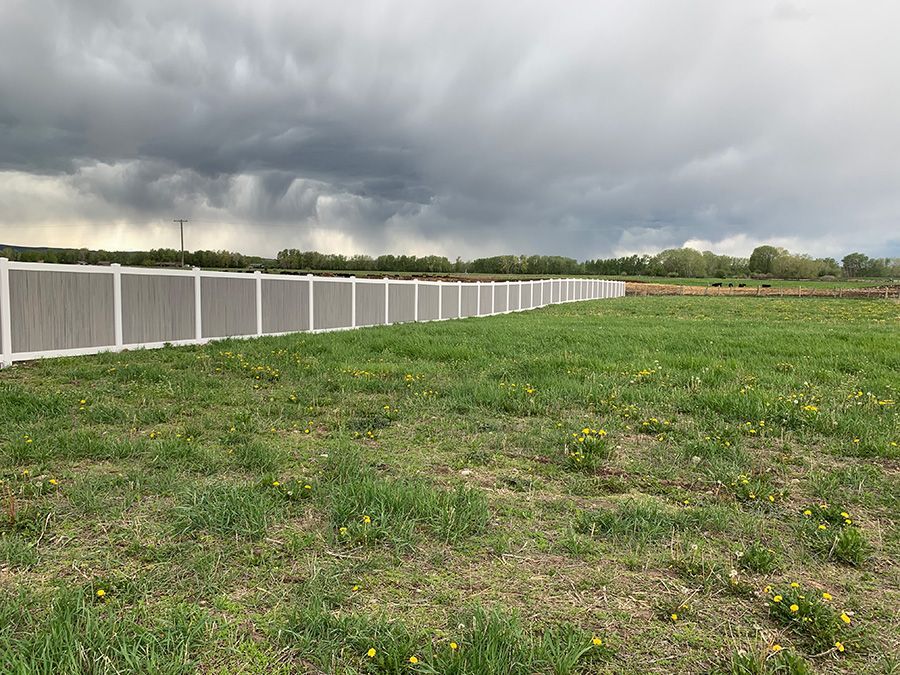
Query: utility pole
181	221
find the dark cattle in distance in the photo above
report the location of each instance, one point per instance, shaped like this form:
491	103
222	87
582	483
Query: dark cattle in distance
717	285
742	285
767	285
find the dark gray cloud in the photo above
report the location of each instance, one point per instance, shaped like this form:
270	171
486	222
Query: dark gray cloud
457	127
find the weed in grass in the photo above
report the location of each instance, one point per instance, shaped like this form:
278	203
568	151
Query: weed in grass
758	558
586	450
243	511
831	533
811	617
756	491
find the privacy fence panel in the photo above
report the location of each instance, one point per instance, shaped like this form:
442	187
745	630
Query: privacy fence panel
486	292
469	299
332	306
59	310
157	309
429	299
402	302
370	302
449	301
285	305
229	306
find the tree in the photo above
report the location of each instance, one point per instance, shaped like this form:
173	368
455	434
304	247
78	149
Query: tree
762	260
854	264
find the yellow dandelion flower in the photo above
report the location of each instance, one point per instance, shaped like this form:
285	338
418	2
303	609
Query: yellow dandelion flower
275	483
454	646
597	642
794	584
413	660
807	512
823	526
839	646
371	653
777	598
674	617
100	592
776	648
795	608
845	618
826	596
53	481
366	520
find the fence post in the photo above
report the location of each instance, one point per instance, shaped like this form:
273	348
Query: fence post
353	301
508	284
117	304
6	332
198	306
477	298
312	321
416	299
258	277
459	300
493	293
387	290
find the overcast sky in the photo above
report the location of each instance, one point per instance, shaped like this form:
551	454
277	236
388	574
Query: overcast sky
452	127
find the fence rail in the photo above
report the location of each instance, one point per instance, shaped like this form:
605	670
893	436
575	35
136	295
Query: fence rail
65	310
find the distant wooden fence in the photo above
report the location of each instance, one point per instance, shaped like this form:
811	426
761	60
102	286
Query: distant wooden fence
67	310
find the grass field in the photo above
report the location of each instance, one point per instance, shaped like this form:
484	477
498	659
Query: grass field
638	485
774	283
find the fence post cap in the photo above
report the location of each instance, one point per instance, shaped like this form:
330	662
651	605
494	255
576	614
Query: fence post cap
196	269
114	265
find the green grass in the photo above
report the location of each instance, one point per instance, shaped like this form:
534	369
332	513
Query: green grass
287	504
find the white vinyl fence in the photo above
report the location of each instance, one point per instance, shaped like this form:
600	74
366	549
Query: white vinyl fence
67	310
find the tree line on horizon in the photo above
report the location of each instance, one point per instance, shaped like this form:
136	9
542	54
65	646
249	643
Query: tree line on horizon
764	262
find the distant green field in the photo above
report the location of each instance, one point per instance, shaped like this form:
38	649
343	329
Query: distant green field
775	283
649	484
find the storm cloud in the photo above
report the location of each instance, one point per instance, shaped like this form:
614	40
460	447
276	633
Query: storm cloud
461	128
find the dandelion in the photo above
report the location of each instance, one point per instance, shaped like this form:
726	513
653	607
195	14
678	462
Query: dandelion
275	483
100	592
355	588
826	596
839	646
343	530
776	648
371	653
777	598
823	526
807	513
413	660
674	617
53	481
795	608
366	520
454	646
307	487
596	641
845	618
794	584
